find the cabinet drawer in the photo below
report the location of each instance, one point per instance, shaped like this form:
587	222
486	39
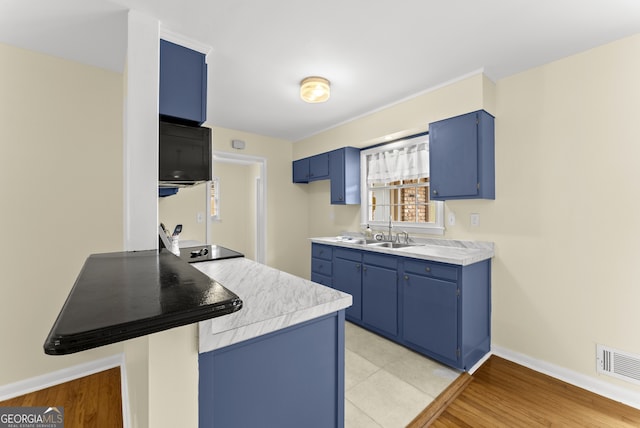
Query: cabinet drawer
353	255
321	252
321	279
431	269
322	267
381	260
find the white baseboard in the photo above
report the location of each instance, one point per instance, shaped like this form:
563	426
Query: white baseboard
47	380
613	392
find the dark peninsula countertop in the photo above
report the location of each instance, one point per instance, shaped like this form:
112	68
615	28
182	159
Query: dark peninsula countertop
119	296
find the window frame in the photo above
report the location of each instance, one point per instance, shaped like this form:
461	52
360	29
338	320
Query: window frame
435	228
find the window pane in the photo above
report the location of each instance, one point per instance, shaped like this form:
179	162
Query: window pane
408	213
422	195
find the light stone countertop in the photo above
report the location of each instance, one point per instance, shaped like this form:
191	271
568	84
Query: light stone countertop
272	300
438	250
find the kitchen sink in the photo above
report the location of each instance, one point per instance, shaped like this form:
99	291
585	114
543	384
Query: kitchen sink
390	244
384	244
367	241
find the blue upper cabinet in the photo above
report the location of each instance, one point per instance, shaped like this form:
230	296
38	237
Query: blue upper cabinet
183	83
341	167
319	167
301	171
462	157
311	169
344	173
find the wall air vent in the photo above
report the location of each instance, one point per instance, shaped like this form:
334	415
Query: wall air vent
616	363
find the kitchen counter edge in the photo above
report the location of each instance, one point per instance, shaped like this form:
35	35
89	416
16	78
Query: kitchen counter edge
461	253
272	300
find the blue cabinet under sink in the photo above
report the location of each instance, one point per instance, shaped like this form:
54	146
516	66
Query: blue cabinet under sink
438	309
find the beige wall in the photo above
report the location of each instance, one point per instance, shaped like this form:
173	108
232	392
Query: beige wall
183	208
61	172
235	227
564	219
286	207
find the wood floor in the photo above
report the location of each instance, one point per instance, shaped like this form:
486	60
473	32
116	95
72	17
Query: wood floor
90	401
504	394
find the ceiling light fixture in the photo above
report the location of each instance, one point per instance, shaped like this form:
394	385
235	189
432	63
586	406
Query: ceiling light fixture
315	89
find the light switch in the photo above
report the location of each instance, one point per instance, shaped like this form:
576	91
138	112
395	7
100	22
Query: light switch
452	218
475	219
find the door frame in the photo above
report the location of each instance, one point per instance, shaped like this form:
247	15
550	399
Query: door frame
260	203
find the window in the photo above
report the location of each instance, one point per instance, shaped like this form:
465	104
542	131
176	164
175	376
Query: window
395	185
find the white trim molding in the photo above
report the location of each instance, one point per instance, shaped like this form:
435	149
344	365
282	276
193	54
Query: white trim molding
185	41
605	389
68	374
261	197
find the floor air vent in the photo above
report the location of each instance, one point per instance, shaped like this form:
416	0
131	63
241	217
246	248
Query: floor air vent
618	364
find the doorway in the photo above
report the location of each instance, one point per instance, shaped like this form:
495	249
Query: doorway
240	206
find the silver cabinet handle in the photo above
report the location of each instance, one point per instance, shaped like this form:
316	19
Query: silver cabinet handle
428	269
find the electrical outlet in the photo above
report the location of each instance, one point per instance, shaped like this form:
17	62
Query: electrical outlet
452	218
475	219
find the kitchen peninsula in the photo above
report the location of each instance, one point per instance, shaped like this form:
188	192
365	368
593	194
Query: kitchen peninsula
280	360
271	348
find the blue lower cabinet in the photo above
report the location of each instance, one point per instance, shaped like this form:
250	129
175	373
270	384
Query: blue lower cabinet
288	379
430	315
446	310
347	277
322	279
438	309
380	293
321	264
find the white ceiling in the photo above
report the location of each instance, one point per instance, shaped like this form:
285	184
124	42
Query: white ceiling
374	52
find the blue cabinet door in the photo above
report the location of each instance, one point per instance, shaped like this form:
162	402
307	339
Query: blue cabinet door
344	170
301	171
347	278
319	167
183	83
311	169
287	379
461	157
380	298
430	315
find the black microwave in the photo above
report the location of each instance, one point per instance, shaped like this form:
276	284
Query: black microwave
185	155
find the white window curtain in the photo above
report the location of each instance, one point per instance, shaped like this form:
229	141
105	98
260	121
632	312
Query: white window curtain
408	163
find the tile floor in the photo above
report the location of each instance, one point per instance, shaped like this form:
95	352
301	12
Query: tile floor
386	384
